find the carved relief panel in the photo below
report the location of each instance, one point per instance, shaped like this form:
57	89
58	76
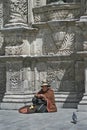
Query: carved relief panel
14	76
59	41
58	73
17	43
16	11
61	75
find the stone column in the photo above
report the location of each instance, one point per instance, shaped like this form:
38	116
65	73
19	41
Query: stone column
17	48
17	89
16	12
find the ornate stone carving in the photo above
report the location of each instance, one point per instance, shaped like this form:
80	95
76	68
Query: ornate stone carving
22	49
14	76
58	75
56	12
13	39
15	80
61	43
18	11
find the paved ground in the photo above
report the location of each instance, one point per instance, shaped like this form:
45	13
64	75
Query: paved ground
61	120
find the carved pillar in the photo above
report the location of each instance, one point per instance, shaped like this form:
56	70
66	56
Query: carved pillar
17	85
14	77
16	12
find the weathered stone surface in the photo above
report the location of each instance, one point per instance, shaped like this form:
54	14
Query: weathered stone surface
56	12
48	43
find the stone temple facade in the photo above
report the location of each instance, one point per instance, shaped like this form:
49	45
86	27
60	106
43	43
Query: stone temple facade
43	39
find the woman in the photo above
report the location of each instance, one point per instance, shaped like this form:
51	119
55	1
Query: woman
47	94
43	101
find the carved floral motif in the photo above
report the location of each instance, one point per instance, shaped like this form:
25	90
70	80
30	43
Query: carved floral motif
60	45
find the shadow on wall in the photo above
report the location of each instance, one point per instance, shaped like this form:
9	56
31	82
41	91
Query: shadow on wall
70	87
73	100
2	81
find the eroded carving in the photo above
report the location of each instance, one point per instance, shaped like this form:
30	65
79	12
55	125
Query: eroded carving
58	73
18	11
15	76
50	13
61	43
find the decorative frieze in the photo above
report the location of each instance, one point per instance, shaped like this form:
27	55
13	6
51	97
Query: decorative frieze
23	49
56	12
59	42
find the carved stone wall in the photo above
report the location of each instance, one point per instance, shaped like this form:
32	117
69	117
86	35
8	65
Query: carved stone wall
46	49
16	11
19	43
60	74
56	12
59	39
14	76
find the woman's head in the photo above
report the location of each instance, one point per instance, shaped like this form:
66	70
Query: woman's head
45	86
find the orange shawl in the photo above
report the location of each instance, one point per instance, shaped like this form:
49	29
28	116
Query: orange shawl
50	98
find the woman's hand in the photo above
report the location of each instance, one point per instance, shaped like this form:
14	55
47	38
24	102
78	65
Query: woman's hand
38	95
41	96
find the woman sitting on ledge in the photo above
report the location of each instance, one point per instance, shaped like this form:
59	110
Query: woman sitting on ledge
43	101
47	94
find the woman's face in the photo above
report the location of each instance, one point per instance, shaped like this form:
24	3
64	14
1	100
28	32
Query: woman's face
44	88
